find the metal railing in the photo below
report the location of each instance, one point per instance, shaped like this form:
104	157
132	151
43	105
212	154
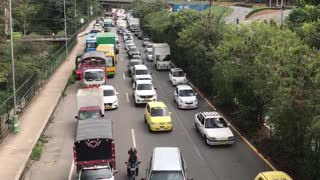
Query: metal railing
33	85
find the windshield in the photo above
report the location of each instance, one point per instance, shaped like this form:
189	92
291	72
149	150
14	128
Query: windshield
96	174
166	175
132	63
142	72
108	92
185	93
149	52
144	87
178	73
89	114
159	112
149	46
133	49
94	76
91	45
109	61
215	123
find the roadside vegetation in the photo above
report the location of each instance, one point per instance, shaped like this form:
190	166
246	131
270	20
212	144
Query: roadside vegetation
252	73
37	149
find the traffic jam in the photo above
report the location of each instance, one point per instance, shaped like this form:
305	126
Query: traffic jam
94	147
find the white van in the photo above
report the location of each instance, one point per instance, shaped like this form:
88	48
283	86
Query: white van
166	162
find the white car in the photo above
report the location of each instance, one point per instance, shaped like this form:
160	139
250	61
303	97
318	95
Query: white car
214	129
149	47
185	97
140	72
110	97
127	38
177	76
143	92
149	55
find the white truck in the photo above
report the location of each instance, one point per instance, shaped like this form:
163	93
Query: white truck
161	55
90	103
122	24
134	24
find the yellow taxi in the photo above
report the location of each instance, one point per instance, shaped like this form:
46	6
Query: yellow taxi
273	175
157	116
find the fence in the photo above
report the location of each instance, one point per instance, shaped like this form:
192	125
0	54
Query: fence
32	85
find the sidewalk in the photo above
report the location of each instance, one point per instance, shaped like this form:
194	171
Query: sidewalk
16	148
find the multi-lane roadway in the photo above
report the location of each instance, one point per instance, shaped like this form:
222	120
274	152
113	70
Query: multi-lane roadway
236	162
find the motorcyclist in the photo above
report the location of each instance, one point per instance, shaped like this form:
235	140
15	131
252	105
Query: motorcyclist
133	159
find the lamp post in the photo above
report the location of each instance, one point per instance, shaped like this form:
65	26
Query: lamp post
281	16
75	15
15	116
65	27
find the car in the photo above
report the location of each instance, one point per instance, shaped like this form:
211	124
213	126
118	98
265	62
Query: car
185	97
93	31
177	76
166	162
157	116
145	41
148	46
140	35
127	38
133	51
140	72
137	32
149	55
133	62
136	56
273	175
213	128
117	40
98	28
143	91
110	97
128	46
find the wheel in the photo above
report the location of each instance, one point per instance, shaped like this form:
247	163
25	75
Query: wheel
145	119
205	139
195	125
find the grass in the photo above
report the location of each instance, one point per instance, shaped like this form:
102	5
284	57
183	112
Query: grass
37	150
72	78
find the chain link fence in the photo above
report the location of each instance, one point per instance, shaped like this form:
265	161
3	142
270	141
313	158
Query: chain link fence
31	87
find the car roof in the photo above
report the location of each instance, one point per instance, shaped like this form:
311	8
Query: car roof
166	159
176	69
212	114
135	60
276	175
184	87
107	87
159	104
143	81
140	66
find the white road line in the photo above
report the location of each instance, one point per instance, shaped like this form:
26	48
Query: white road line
124	76
133	138
127	97
71	170
121	58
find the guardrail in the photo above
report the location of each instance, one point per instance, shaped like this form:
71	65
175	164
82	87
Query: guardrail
31	87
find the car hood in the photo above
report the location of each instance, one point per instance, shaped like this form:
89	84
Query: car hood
219	133
179	78
188	98
145	92
160	119
109	99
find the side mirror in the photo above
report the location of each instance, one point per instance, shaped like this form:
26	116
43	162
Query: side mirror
150	72
170	113
115	172
228	124
102	115
154	88
185	74
195	94
116	93
76	117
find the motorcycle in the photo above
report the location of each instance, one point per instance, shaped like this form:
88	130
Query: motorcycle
132	169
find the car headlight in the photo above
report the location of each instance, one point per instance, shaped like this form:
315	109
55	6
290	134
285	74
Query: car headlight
212	139
152	123
169	123
231	138
115	101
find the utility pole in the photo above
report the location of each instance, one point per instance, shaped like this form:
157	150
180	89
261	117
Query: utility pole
281	18
75	15
15	116
65	27
270	3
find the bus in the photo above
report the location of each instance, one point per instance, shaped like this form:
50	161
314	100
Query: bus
111	63
91	42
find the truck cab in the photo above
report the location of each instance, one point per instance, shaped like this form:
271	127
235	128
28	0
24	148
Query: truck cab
90	103
90	112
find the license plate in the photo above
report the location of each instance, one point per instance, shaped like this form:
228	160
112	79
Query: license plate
146	100
107	107
161	127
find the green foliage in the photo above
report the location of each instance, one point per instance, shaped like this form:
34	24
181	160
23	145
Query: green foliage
37	149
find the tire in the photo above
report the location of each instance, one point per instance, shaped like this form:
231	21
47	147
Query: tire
195	125
205	139
145	120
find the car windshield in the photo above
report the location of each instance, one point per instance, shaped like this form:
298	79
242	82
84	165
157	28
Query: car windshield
94	76
146	39
149	45
187	92
215	123
133	49
142	72
88	114
159	112
91	45
109	61
149	52
144	87
166	175
96	174
108	92
132	63
178	73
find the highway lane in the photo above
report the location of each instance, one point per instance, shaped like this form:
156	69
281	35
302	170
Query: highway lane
203	162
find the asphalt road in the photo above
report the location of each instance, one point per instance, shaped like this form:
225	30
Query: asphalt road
237	162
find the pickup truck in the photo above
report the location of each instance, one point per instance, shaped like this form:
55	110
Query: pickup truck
214	129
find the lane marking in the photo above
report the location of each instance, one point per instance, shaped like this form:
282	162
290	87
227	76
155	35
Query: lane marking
71	170
127	97
121	58
133	138
124	76
233	127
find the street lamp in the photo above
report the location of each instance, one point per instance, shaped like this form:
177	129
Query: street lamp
15	116
65	27
281	18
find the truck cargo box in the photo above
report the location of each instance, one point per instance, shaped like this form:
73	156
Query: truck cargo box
90	97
